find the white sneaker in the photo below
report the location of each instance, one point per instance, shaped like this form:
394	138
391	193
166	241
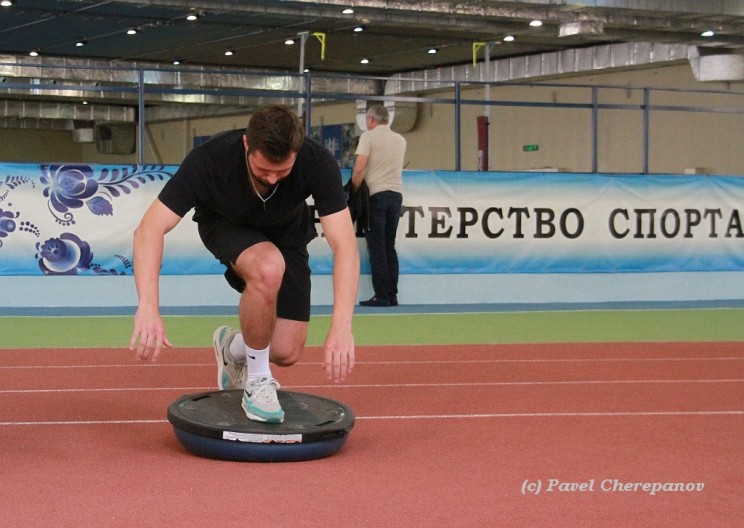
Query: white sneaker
260	401
230	373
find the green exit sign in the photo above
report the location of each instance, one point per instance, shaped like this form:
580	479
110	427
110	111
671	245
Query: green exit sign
529	148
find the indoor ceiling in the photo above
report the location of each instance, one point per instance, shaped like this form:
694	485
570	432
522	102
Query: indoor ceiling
395	36
71	61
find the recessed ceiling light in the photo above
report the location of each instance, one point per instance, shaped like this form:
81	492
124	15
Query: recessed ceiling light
365	60
708	33
348	11
536	23
509	38
229	52
289	42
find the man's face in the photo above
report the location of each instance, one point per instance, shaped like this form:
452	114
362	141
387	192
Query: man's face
264	171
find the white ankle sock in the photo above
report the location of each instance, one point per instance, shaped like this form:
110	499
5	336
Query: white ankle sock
258	360
258	363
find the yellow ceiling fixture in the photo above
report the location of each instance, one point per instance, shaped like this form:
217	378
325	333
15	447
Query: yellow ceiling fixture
476	47
322	38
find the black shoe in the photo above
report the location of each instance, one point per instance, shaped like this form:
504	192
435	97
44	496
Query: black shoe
393	300
374	301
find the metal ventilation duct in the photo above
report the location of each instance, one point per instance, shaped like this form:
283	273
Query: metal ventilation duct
718	67
66	111
169	94
566	62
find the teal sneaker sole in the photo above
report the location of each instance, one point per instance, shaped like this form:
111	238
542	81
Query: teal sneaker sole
261	416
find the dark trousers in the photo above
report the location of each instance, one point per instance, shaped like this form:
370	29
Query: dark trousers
384	214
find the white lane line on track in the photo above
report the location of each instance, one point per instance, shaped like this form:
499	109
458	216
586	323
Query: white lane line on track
392	362
86	422
389	385
125	365
554	360
107	389
520	383
554	415
426	417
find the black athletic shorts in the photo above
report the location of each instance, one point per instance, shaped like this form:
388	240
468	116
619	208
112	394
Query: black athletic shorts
226	241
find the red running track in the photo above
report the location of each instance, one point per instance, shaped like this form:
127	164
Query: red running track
446	436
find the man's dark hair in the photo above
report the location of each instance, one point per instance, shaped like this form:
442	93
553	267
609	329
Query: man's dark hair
275	131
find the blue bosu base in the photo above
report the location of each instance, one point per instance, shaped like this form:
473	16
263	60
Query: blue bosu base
213	425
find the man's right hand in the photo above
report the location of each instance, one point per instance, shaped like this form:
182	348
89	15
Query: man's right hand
148	336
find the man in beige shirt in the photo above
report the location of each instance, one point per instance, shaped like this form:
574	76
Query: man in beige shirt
379	162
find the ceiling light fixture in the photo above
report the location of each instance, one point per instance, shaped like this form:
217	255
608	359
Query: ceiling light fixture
132	31
176	62
81	43
432	51
509	38
229	52
708	33
289	42
358	29
6	3
34	53
536	23
348	11
365	60
192	17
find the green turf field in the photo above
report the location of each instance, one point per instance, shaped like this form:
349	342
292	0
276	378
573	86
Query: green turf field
721	324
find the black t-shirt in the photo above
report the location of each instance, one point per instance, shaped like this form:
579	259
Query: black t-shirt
213	180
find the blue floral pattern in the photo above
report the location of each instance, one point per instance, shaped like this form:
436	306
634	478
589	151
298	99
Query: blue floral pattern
72	186
70	191
66	255
7	224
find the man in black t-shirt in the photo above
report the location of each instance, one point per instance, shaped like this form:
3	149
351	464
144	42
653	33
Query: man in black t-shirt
248	191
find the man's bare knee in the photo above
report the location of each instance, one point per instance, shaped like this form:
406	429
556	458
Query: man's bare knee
261	265
269	273
285	358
